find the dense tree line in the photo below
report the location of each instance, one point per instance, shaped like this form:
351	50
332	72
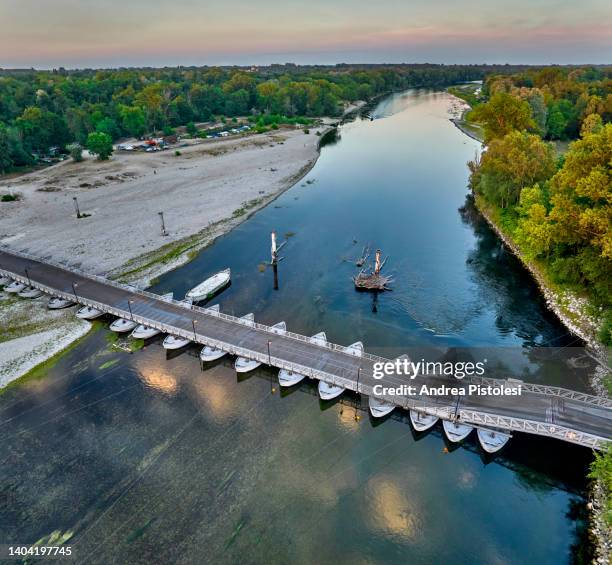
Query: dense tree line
43	109
557	207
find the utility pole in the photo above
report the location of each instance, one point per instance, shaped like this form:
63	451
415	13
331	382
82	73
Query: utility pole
164	232
76	206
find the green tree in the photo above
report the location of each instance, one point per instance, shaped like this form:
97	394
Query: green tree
509	164
100	144
539	112
502	114
109	126
132	120
6	162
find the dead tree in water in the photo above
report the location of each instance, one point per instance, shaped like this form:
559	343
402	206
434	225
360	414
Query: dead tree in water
365	253
373	280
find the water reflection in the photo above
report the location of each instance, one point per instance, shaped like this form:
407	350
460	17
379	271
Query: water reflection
156	459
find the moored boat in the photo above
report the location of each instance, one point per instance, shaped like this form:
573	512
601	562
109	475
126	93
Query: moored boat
492	440
30	292
328	391
455	431
379	407
175	342
210	286
210	353
57	303
288	378
15	287
121	325
242	364
421	421
144	332
88	313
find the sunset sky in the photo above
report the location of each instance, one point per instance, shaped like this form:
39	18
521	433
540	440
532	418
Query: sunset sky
108	33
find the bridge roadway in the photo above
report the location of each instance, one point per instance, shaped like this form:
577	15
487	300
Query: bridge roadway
542	410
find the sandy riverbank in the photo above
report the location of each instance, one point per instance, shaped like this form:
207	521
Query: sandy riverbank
204	192
207	183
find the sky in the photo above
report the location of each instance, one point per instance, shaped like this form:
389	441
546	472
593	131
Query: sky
113	33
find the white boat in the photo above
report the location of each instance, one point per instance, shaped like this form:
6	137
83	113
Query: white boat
288	378
244	365
14	287
175	342
492	440
421	421
328	391
88	313
456	432
57	303
30	292
4	280
379	407
144	332
279	329
121	325
210	353
213	310
247	320
210	286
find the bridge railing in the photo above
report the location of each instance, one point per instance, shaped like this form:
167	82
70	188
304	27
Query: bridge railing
428	406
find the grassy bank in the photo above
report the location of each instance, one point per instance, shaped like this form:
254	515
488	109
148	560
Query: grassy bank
40	371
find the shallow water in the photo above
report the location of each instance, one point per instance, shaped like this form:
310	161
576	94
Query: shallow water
152	459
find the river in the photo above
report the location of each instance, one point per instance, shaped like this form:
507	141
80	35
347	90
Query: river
144	457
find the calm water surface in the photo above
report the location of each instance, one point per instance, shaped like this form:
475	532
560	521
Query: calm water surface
146	458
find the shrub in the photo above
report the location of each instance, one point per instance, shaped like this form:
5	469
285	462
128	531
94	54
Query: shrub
177	153
76	151
9	198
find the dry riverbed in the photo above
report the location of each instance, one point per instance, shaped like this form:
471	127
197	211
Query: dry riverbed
203	192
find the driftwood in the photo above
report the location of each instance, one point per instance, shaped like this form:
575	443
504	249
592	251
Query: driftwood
373	280
365	253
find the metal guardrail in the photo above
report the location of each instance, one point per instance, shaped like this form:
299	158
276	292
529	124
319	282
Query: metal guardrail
564	433
426	405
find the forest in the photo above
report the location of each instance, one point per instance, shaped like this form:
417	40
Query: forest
545	174
40	110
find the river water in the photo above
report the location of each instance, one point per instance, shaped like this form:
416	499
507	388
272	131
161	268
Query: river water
146	457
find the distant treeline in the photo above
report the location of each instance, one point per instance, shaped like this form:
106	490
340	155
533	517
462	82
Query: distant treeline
44	109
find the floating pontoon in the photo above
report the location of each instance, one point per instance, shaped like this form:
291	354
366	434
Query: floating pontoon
379	407
456	432
492	440
421	421
57	303
288	378
88	313
30	292
121	325
175	342
15	287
